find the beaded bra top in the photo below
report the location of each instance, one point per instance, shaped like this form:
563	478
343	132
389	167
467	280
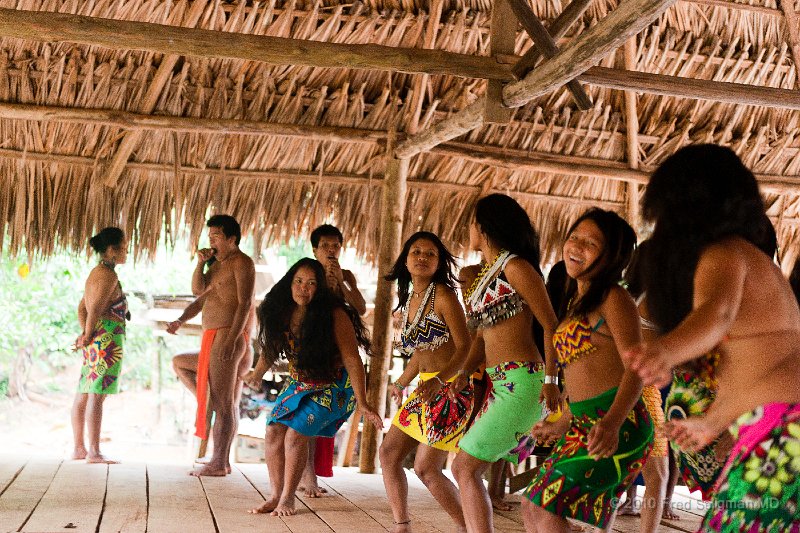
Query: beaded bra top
426	331
118	310
491	298
573	340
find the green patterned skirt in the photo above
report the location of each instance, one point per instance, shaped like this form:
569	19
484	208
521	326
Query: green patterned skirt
571	484
102	359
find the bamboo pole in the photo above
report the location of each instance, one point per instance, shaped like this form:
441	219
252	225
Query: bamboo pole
393	201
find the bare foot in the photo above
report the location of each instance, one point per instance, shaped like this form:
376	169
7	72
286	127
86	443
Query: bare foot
628	510
206	460
100	459
266	507
402	527
668	514
209	470
575	526
501	505
79	453
313	492
285	508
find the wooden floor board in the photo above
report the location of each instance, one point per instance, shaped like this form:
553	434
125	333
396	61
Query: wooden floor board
125	509
10	467
177	501
23	495
74	499
230	499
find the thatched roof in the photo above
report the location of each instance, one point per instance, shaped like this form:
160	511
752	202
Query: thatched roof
57	165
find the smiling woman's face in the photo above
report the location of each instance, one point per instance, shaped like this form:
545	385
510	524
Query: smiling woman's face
582	248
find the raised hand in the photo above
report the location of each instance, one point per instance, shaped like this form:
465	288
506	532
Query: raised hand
650	363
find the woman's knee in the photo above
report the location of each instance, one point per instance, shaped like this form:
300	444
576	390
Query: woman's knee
275	434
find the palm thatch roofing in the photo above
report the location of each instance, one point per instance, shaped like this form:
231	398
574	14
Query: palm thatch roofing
109	128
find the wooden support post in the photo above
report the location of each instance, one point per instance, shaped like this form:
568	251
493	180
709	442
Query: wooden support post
393	203
545	43
557	30
632	135
502	39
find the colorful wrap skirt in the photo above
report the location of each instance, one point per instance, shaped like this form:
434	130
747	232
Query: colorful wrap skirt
759	488
440	423
651	397
502	430
692	395
571	484
314	409
102	359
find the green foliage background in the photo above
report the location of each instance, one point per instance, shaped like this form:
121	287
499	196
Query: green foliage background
39	312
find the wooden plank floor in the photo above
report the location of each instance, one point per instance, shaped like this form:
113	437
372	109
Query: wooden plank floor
47	495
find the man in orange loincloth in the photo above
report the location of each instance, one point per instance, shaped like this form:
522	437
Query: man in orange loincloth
225	296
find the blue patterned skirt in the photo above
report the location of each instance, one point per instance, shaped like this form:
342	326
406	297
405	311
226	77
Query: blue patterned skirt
315	409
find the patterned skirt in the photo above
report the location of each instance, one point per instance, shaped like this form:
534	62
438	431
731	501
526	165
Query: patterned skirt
440	423
315	409
691	395
571	484
502	430
759	488
102	359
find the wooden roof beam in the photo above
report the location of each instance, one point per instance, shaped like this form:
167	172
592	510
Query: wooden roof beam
630	17
547	45
502	40
130	35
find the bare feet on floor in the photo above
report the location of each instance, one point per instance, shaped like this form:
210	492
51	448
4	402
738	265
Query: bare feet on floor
668	514
401	527
284	508
79	453
266	507
100	459
206	460
501	505
628	510
312	492
209	470
575	526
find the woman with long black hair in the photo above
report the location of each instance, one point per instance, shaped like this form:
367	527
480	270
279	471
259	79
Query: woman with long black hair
713	287
302	320
502	304
434	335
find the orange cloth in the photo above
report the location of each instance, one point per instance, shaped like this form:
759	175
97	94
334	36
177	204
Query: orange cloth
203	360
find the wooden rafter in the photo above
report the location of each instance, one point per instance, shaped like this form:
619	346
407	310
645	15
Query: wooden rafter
630	17
558	28
545	43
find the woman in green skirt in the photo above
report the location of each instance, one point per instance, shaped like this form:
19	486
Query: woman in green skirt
102	313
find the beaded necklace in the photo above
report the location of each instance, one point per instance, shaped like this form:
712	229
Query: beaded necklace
482	274
408	327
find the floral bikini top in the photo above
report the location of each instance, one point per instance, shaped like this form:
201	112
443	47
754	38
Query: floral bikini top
427	332
491	298
573	340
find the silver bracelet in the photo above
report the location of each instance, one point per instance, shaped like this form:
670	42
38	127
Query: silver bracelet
551	380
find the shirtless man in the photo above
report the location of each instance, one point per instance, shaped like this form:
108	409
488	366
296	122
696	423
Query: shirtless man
226	300
326	243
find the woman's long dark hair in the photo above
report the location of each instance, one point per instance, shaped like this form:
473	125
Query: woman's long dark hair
620	240
699	195
444	271
318	350
507	224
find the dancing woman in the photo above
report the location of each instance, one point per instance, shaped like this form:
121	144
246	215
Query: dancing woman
713	289
605	433
434	334
502	303
102	313
302	320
